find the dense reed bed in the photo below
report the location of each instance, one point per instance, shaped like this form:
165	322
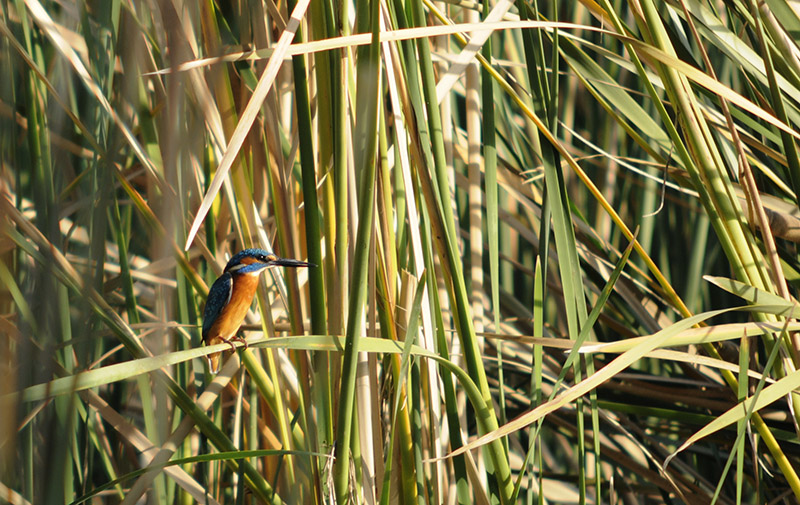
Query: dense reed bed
554	246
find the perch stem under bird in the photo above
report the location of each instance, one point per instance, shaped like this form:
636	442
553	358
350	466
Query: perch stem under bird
232	294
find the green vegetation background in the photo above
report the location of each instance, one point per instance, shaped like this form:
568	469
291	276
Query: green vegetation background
555	249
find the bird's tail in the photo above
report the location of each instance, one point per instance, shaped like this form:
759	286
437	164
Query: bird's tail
213	361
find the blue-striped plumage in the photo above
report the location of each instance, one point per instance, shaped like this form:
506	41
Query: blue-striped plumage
232	294
218	297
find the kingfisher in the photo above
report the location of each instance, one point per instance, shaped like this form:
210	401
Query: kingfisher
231	296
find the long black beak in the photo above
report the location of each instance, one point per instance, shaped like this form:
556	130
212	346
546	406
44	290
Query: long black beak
281	262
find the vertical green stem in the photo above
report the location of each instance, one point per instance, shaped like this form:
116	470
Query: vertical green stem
365	144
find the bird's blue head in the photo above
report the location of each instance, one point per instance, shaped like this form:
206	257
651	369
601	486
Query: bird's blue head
251	261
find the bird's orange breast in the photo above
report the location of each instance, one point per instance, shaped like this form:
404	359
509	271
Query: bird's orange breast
234	312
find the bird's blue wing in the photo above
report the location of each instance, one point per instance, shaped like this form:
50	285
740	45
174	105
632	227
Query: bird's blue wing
218	297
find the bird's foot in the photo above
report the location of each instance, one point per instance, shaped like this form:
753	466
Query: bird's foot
238	338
